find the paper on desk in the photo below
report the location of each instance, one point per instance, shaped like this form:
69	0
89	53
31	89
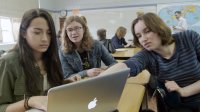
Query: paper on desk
35	110
121	49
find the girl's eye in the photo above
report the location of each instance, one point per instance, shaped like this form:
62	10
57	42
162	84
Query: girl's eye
147	31
37	33
49	33
138	36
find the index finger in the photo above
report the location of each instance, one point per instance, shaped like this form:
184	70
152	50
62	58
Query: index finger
77	77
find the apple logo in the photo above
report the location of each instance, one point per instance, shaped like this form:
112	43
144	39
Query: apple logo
92	104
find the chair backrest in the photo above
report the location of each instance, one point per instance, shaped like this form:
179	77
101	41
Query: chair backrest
107	43
1	52
160	97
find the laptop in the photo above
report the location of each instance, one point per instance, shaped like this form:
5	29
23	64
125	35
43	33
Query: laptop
98	94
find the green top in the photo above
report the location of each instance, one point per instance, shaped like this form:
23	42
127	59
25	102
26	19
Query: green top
12	80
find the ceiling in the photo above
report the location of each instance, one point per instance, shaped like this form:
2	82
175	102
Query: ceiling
57	5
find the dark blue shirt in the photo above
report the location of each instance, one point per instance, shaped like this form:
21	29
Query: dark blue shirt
118	43
183	67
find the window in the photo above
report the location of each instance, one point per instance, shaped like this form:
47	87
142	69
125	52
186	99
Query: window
16	24
9	28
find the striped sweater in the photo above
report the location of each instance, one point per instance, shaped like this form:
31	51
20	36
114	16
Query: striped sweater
183	67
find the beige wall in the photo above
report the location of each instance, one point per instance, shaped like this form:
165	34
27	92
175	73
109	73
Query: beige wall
16	8
57	5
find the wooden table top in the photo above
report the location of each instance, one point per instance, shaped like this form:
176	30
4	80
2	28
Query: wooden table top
131	98
142	78
125	52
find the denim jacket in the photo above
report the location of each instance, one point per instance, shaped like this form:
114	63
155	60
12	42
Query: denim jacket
72	64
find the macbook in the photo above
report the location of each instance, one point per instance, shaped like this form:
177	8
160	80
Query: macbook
98	94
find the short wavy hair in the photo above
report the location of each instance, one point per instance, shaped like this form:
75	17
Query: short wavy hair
156	25
121	31
100	33
87	41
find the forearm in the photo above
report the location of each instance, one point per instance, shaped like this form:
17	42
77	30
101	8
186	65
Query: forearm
124	42
190	89
37	102
114	68
16	107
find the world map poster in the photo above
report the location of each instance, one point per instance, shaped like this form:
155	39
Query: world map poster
190	11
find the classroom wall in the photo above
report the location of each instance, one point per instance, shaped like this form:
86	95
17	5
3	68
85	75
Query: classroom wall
112	18
16	8
48	4
108	14
92	9
57	5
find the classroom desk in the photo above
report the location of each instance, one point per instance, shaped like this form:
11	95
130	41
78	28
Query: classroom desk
125	53
131	98
142	78
120	61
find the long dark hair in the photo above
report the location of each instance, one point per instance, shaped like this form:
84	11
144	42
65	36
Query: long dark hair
50	57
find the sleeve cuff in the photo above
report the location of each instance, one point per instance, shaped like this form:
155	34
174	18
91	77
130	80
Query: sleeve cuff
83	73
3	107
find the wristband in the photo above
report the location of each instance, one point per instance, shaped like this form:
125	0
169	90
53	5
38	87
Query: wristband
26	106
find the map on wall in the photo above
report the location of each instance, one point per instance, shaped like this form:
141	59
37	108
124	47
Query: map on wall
191	12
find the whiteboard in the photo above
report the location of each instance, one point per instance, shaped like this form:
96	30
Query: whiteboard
112	18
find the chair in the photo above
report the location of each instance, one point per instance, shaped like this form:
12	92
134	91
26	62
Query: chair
1	52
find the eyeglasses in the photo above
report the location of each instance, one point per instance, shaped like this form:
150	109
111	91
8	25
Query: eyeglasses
76	29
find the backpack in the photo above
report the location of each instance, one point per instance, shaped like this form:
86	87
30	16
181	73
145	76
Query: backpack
107	43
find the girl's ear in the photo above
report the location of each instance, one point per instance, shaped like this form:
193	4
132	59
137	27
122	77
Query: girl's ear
24	34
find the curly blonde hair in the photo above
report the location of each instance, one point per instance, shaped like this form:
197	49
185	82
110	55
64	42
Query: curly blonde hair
87	41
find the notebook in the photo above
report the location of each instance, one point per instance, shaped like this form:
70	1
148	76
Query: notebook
98	94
